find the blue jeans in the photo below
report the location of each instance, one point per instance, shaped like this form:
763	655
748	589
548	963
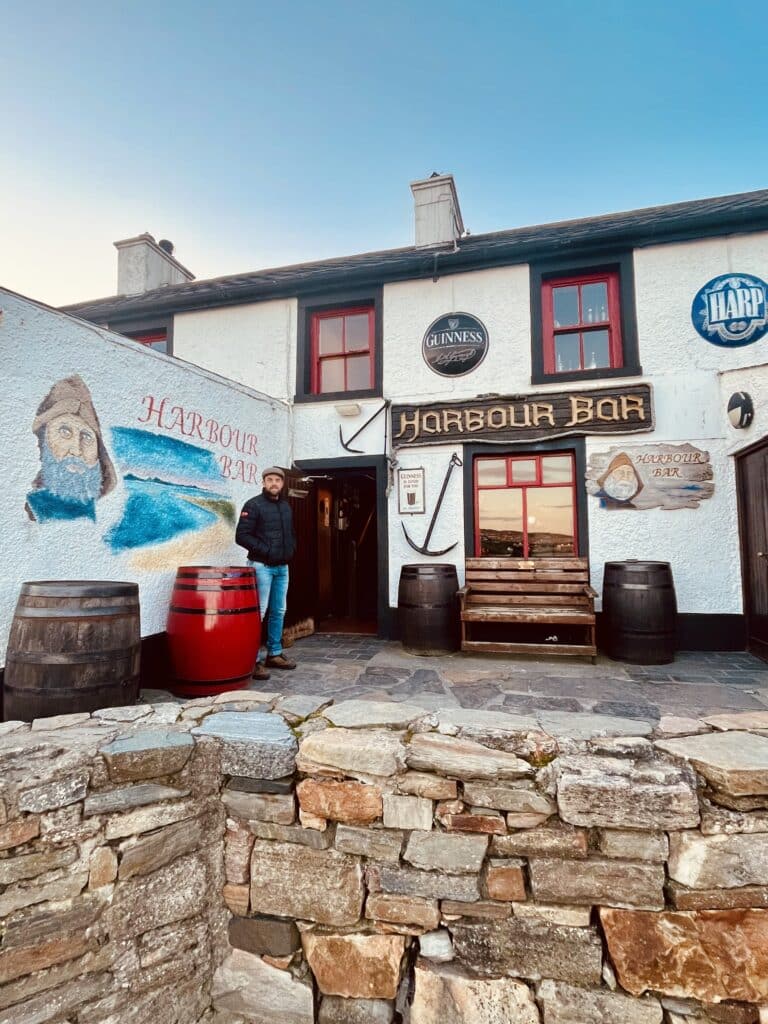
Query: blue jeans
272	584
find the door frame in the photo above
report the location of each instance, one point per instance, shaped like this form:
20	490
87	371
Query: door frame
377	463
762	650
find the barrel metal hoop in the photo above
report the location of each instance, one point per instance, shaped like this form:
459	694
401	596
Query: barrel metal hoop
73	612
79	591
215	611
74	691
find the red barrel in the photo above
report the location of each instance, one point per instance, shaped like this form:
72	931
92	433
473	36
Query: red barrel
214	629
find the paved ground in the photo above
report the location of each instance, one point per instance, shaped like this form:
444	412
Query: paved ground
695	684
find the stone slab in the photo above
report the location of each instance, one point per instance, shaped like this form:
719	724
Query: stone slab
717	820
124	798
337	1010
463	759
433	787
239	784
60	721
633	845
555	839
370	714
487	910
355	966
718	862
407	812
245	985
316	840
376	843
504	880
567	1004
18	832
288	880
147	754
734	762
445	994
576	725
411	910
598	881
350	802
254	744
171	894
707	955
517	799
145	854
377	752
529	949
279	808
745	721
397	879
683	898
261	935
439	851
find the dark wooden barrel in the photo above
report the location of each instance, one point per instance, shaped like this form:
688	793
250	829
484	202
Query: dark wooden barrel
428	608
214	628
74	646
639	612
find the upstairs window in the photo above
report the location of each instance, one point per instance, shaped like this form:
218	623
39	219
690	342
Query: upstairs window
158	340
343	350
581	323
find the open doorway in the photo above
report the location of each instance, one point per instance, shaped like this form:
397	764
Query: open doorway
339	574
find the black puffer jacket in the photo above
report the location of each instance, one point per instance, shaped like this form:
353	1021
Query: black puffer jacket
265	530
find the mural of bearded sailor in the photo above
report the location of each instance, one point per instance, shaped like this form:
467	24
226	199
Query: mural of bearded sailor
75	469
620	482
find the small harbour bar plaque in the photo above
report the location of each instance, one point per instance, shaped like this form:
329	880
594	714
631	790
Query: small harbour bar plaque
619	410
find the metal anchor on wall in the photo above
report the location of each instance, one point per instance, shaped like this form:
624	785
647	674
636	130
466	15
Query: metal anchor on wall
424	550
346	445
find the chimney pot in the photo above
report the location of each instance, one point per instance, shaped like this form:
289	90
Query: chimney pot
166	246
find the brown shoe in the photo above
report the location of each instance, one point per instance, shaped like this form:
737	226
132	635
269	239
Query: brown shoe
280	661
260	672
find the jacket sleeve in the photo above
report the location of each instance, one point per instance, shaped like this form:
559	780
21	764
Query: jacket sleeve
249	534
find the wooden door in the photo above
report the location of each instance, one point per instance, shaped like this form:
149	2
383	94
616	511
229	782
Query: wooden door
302	590
753	515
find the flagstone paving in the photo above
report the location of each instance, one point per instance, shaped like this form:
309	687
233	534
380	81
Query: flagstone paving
342	667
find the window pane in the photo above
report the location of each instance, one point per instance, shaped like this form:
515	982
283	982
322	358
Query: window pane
357	331
523	471
358	373
596	349
332	375
330	335
594	302
556	469
567	355
565	305
161	345
500	522
550	521
492	472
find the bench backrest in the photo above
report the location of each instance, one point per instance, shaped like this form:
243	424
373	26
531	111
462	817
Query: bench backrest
545	581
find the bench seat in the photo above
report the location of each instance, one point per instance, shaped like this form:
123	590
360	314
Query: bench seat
527	613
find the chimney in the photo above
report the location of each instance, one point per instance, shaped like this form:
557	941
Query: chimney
144	264
438	217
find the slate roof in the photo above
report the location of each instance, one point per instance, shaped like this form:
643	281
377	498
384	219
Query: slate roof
743	212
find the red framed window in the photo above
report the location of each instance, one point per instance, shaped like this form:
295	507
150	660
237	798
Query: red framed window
342	350
581	323
525	505
158	340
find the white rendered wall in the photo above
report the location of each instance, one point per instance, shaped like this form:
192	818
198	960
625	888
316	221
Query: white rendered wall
254	344
40	347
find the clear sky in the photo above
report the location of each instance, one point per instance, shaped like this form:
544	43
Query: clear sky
255	134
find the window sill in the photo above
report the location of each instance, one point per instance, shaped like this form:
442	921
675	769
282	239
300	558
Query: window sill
338	396
586	375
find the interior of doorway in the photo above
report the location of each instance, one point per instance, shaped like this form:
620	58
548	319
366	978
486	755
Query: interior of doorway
337	534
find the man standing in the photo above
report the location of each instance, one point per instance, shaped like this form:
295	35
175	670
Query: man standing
265	530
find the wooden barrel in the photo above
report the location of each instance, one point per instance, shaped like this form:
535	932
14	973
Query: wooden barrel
428	608
214	628
74	646
639	612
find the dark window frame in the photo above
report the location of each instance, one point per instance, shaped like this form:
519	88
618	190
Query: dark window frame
544	273
154	325
573	445
327	303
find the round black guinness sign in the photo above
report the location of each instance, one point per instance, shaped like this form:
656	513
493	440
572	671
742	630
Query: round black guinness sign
455	344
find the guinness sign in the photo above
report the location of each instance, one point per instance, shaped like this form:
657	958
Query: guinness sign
455	344
619	410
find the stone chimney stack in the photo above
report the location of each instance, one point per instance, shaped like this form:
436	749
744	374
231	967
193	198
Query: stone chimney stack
438	216
144	264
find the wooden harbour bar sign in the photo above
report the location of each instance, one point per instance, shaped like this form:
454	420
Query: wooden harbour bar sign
619	410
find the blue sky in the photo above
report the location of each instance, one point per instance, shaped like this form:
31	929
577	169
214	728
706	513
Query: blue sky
255	134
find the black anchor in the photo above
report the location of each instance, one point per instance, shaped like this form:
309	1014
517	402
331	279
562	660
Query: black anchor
455	461
346	444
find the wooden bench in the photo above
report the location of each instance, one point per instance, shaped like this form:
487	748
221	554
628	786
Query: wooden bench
529	591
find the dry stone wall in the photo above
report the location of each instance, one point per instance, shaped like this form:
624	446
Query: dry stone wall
255	859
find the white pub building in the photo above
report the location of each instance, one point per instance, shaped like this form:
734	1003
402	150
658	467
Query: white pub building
596	387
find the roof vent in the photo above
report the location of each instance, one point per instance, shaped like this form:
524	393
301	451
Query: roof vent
437	212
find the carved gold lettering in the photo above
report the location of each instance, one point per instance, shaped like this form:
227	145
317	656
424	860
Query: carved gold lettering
473	419
543	411
526	412
411	420
613	409
497	417
581	410
430	422
452	418
632	404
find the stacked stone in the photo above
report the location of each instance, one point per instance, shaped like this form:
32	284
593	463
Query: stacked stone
111	847
473	866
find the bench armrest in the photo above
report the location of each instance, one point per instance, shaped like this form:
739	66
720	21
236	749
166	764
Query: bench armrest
590	591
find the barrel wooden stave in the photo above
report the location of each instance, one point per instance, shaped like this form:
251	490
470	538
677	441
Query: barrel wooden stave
214	629
74	646
639	612
428	608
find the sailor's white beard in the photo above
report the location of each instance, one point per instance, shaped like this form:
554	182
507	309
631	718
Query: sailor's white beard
82	486
621	490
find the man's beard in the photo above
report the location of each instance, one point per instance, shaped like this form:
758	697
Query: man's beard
82	484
